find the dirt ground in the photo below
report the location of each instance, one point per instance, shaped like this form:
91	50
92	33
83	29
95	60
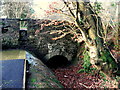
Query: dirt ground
70	78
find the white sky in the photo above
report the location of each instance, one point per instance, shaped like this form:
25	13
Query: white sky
41	5
38	4
57	0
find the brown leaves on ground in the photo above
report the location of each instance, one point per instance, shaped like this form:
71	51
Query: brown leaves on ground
71	79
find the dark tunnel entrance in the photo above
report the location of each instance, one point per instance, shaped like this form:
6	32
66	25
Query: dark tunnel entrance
57	61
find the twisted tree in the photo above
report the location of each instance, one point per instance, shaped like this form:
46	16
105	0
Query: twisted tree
89	24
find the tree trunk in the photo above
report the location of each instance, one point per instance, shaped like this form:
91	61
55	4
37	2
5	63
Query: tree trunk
94	40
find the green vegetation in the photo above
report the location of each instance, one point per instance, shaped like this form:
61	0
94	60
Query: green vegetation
113	4
106	57
102	74
98	7
33	80
86	65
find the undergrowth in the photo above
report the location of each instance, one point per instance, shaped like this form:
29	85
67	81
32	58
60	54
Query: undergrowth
86	65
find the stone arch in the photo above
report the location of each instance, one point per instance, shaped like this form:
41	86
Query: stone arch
52	54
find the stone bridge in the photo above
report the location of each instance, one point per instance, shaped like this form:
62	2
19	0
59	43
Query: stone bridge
41	44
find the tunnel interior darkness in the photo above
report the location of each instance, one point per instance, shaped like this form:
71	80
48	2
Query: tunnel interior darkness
57	61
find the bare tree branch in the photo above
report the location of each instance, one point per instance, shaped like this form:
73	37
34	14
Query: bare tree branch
69	8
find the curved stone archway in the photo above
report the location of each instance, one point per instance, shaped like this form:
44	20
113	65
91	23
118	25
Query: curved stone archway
58	52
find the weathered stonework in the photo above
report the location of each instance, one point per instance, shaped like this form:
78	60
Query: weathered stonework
41	45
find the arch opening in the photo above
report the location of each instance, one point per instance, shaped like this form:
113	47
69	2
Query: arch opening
57	61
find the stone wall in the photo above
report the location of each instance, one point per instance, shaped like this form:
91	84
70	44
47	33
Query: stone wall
41	45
